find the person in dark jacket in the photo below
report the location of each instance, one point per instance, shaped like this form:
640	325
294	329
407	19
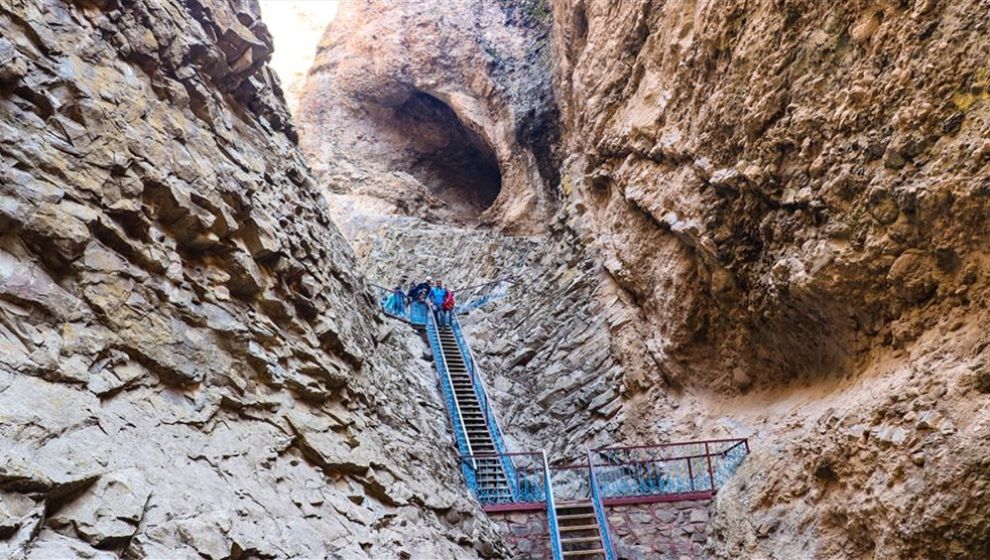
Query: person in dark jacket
421	291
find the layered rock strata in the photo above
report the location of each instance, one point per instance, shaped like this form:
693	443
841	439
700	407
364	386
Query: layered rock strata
544	348
787	202
794	197
189	364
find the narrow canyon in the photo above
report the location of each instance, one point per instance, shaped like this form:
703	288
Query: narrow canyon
721	271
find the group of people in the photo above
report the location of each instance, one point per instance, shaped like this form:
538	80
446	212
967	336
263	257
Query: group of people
435	295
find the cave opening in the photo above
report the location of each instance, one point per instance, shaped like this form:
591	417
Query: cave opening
453	161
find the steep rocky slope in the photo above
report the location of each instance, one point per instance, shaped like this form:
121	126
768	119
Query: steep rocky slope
189	364
784	208
794	195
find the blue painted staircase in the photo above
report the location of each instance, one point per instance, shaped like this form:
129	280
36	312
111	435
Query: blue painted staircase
575	496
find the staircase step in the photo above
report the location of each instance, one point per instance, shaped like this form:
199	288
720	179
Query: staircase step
576	540
569	517
589	552
576	528
575	508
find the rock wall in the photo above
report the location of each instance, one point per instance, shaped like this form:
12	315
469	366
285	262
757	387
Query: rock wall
776	214
381	106
793	195
526	533
190	365
662	531
806	179
545	348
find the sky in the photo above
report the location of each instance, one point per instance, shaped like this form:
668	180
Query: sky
297	26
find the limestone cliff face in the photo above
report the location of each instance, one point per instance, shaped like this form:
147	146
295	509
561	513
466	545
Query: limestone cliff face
815	174
785	210
189	364
794	196
441	109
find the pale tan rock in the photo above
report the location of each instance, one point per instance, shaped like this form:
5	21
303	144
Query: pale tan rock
786	196
166	265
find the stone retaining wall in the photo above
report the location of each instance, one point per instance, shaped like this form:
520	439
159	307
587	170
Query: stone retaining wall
661	531
526	533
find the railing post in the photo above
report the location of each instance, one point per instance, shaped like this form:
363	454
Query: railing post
690	473
599	507
711	475
555	546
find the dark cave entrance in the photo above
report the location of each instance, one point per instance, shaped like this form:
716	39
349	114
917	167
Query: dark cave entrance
454	162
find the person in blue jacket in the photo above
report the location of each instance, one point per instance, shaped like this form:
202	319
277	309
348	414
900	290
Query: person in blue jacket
396	302
437	295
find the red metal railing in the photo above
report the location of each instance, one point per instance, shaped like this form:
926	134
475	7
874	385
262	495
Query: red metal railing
666	472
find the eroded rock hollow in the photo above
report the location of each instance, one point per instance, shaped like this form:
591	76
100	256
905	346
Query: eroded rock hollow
724	218
765	220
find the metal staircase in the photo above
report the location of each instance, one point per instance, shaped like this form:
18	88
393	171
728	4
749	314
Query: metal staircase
489	472
574	497
580	535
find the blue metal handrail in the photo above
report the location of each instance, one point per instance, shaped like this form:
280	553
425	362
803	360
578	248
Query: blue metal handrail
481	392
697	468
493	291
596	502
555	544
450	397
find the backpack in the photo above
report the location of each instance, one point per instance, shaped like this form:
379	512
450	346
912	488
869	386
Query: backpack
448	301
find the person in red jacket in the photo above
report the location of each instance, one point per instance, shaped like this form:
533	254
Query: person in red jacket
447	308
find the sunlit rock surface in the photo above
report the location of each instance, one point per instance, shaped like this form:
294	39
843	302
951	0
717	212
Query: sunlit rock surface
782	208
794	197
392	114
297	26
190	365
